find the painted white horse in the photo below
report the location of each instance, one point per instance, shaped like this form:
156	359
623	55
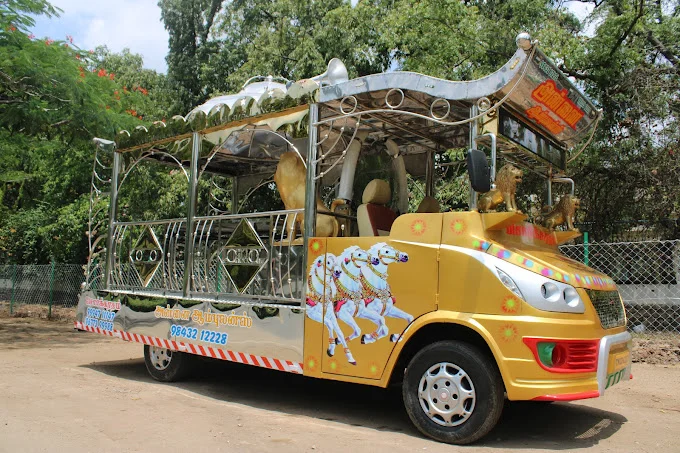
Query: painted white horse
377	293
349	303
321	291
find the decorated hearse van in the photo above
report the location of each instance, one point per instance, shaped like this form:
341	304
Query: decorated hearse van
355	276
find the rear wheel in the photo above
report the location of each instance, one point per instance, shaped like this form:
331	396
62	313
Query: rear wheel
166	365
453	392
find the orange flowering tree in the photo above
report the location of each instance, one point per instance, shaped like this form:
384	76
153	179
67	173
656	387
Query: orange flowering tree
54	99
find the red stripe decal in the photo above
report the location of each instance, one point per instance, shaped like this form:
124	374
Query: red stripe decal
251	359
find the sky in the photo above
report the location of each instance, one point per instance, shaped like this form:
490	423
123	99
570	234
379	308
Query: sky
133	24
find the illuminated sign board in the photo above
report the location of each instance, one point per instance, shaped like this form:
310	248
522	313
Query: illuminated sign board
549	102
520	134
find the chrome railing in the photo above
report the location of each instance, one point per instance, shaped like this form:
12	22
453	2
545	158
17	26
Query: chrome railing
234	255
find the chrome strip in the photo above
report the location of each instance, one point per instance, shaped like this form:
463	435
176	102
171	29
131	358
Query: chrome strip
255	302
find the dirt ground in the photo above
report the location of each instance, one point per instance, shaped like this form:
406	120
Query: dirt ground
63	390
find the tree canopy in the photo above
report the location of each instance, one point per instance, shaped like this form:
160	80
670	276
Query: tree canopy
55	97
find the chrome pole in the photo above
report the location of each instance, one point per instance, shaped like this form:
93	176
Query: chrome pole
113	213
566	181
310	186
234	195
474	111
191	213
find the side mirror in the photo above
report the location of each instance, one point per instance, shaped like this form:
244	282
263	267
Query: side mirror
478	170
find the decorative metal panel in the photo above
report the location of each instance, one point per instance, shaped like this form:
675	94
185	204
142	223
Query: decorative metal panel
234	255
243	256
146	256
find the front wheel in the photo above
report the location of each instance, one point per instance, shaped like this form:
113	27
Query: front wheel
166	365
453	392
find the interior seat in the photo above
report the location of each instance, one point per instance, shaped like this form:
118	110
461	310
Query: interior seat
373	217
429	205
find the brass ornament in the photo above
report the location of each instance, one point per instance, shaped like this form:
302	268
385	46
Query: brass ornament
563	213
290	178
506	187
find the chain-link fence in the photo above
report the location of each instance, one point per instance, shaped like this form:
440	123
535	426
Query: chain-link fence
49	285
646	274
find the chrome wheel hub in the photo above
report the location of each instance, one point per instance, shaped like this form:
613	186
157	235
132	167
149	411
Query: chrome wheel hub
446	394
160	357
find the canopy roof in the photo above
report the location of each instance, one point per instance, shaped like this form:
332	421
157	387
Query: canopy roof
244	133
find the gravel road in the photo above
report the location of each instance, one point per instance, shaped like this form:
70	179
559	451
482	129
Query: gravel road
62	390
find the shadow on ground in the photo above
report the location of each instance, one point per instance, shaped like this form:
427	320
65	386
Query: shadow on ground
556	426
28	333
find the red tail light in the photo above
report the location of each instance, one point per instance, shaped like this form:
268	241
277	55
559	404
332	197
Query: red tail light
565	356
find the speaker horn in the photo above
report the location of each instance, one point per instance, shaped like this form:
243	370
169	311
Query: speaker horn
336	73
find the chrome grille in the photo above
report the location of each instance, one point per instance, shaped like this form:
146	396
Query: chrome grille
609	308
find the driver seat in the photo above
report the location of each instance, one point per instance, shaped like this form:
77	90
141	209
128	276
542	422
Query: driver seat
373	217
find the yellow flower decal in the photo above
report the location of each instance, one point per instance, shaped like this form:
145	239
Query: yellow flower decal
373	368
510	305
311	363
418	227
508	332
458	226
334	365
315	246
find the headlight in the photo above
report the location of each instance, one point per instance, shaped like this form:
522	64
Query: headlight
536	290
571	297
550	291
509	283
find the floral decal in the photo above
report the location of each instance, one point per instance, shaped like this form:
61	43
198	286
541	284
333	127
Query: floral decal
373	369
480	245
333	365
510	305
315	246
418	227
458	226
585	280
508	332
503	254
311	363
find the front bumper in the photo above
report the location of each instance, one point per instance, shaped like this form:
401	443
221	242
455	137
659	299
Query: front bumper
526	380
606	377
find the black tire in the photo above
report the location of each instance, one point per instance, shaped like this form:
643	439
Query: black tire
177	367
481	372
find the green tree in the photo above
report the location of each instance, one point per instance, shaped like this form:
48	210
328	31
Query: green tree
54	99
189	24
630	66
